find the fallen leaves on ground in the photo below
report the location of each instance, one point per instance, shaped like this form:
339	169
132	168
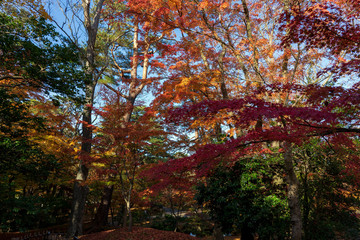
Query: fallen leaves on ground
138	233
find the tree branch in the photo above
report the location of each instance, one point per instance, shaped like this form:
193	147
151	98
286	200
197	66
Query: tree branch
10	77
116	91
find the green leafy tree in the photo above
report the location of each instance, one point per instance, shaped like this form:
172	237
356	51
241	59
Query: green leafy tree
27	199
328	195
34	66
35	57
247	198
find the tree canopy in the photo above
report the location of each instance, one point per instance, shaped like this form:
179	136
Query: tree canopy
230	117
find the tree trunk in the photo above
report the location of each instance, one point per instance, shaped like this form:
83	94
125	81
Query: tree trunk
130	220
91	25
77	211
293	194
124	223
80	190
127	218
128	214
217	233
101	217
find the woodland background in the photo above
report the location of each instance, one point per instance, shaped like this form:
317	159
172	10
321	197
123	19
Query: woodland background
207	117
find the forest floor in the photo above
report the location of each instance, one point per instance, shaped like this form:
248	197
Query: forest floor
141	233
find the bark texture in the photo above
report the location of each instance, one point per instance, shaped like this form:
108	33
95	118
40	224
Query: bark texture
101	217
91	25
78	207
293	194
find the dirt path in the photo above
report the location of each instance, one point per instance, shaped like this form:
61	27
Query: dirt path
140	233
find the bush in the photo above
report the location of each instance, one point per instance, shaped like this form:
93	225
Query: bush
243	199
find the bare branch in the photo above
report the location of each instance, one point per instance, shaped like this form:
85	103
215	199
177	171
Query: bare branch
10	77
117	92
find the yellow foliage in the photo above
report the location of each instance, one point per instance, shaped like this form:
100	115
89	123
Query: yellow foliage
35	7
99	165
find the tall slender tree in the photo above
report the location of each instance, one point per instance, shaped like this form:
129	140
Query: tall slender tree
91	25
126	83
90	15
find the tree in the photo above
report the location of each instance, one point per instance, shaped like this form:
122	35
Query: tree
328	193
234	38
90	21
264	62
121	145
31	57
329	26
239	76
36	157
244	200
123	78
89	81
35	68
320	116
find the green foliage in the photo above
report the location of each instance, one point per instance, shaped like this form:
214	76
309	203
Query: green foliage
328	197
15	124
195	225
168	223
25	200
34	55
329	224
244	199
190	225
23	213
34	59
